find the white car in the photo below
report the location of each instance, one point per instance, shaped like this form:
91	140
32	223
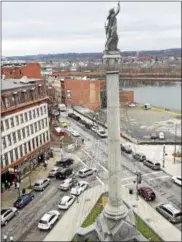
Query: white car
177	180
86	172
95	128
80	187
102	133
161	136
132	105
7	214
75	133
66	202
67	184
48	220
53	171
41	184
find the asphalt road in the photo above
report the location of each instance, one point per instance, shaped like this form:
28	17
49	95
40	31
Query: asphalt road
95	152
23	227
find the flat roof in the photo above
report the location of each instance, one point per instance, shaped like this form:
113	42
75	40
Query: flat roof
8	84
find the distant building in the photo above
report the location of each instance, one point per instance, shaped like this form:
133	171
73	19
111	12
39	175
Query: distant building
143	58
17	70
81	91
25	134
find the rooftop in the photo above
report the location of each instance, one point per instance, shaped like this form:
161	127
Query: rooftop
8	84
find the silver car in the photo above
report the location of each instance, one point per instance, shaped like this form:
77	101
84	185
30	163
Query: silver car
86	172
7	214
170	212
40	185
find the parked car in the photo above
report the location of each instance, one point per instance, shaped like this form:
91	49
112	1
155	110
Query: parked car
64	124
59	131
64	173
41	184
48	220
132	105
147	193
82	121
152	165
88	126
161	136
7	214
86	172
66	202
153	135
79	188
71	115
102	133
75	133
23	200
53	171
67	184
139	156
65	162
77	118
170	212
177	180
94	128
126	148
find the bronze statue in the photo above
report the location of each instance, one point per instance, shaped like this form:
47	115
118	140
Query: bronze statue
111	30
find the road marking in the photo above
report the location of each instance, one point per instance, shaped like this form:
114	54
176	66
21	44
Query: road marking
160	177
94	160
151	173
102	183
128	178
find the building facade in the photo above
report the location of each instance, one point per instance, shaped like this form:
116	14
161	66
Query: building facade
13	70
25	136
81	91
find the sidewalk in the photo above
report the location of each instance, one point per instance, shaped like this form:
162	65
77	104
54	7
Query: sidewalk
65	229
8	197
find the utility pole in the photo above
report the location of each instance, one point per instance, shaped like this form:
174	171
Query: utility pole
164	154
175	133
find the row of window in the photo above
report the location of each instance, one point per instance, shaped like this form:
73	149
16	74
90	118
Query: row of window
24	133
24	149
22	118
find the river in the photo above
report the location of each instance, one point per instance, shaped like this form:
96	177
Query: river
160	96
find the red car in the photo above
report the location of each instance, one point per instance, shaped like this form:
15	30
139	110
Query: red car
147	193
153	136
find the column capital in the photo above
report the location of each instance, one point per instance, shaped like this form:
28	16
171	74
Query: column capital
112	61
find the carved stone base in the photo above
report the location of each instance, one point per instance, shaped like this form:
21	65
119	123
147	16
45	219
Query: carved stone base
112	230
112	61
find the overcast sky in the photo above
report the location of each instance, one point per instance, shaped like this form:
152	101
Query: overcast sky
60	27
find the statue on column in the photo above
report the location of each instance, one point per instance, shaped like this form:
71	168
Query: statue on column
111	30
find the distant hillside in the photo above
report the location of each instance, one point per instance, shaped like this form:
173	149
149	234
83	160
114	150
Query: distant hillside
84	56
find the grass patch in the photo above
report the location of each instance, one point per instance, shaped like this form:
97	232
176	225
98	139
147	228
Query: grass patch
141	226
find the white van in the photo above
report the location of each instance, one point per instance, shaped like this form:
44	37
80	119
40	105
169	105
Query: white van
161	135
62	107
147	106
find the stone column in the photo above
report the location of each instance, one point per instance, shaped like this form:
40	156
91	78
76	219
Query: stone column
115	207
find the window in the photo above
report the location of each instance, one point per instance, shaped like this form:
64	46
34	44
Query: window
21	150
43	123
16	153
25	148
21	118
45	108
19	135
30	115
47	136
46	122
34	114
9	140
27	131
35	125
44	137
37	141
12	122
41	140
3	142
23	132
68	94
38	112
29	146
7	123
17	120
39	124
14	138
6	159
33	142
26	117
31	128
41	110
2	126
11	156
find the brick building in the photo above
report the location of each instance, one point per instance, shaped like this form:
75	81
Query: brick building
81	91
25	133
16	71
